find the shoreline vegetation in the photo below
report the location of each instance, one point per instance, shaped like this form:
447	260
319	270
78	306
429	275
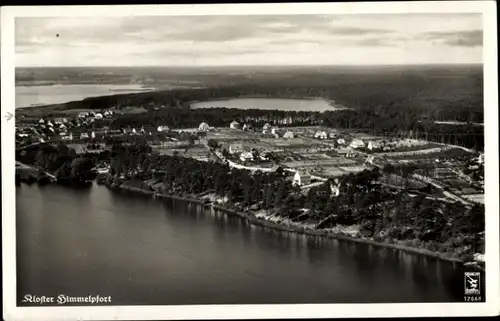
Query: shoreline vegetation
365	213
251	218
376	116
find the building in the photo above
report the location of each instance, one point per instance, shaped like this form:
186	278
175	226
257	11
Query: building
480	158
234	125
346	152
235	148
277	169
163	129
98	116
332	135
301	178
246	156
204	127
288	135
247	127
320	135
274	130
357	143
266	127
374	145
84	135
341	141
334	188
184	136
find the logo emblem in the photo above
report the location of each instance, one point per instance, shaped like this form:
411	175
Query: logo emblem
472	280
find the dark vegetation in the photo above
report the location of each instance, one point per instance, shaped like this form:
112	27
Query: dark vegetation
402	101
405	217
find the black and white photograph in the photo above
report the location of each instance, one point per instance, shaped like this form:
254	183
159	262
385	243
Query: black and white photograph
269	157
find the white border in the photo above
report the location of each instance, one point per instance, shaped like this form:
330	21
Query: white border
491	307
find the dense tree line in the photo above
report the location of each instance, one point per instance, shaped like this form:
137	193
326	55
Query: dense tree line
387	122
62	162
415	219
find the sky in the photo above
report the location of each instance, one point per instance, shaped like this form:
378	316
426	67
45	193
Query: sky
389	39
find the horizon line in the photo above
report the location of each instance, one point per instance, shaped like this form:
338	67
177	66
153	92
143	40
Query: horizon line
222	66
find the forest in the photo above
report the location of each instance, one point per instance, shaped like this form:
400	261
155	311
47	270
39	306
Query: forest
404	217
388	121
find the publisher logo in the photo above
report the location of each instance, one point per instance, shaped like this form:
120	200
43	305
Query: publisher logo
472	283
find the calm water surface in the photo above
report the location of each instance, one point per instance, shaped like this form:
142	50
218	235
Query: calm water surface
27	96
144	251
268	104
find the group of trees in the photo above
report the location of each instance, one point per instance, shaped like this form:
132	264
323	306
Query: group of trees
380	213
62	162
386	122
404	102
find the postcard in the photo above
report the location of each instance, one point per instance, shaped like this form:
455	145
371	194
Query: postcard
247	161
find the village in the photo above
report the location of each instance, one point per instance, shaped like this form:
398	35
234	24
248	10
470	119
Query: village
310	155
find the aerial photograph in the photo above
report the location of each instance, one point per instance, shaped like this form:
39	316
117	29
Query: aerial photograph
249	159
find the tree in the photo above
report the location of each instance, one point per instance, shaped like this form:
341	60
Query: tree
212	143
280	193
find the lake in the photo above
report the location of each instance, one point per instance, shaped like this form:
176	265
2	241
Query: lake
27	96
144	251
268	104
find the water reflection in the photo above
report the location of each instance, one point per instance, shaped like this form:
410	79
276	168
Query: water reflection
145	251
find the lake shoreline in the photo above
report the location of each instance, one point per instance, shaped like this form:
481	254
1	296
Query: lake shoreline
330	102
252	219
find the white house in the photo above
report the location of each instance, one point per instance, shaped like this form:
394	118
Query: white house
106	113
322	135
234	125
288	135
247	127
334	188
203	127
374	145
84	135
98	116
357	143
480	158
134	131
235	148
162	129
266	127
62	127
92	135
341	141
41	121
332	135
301	178
273	130
246	156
